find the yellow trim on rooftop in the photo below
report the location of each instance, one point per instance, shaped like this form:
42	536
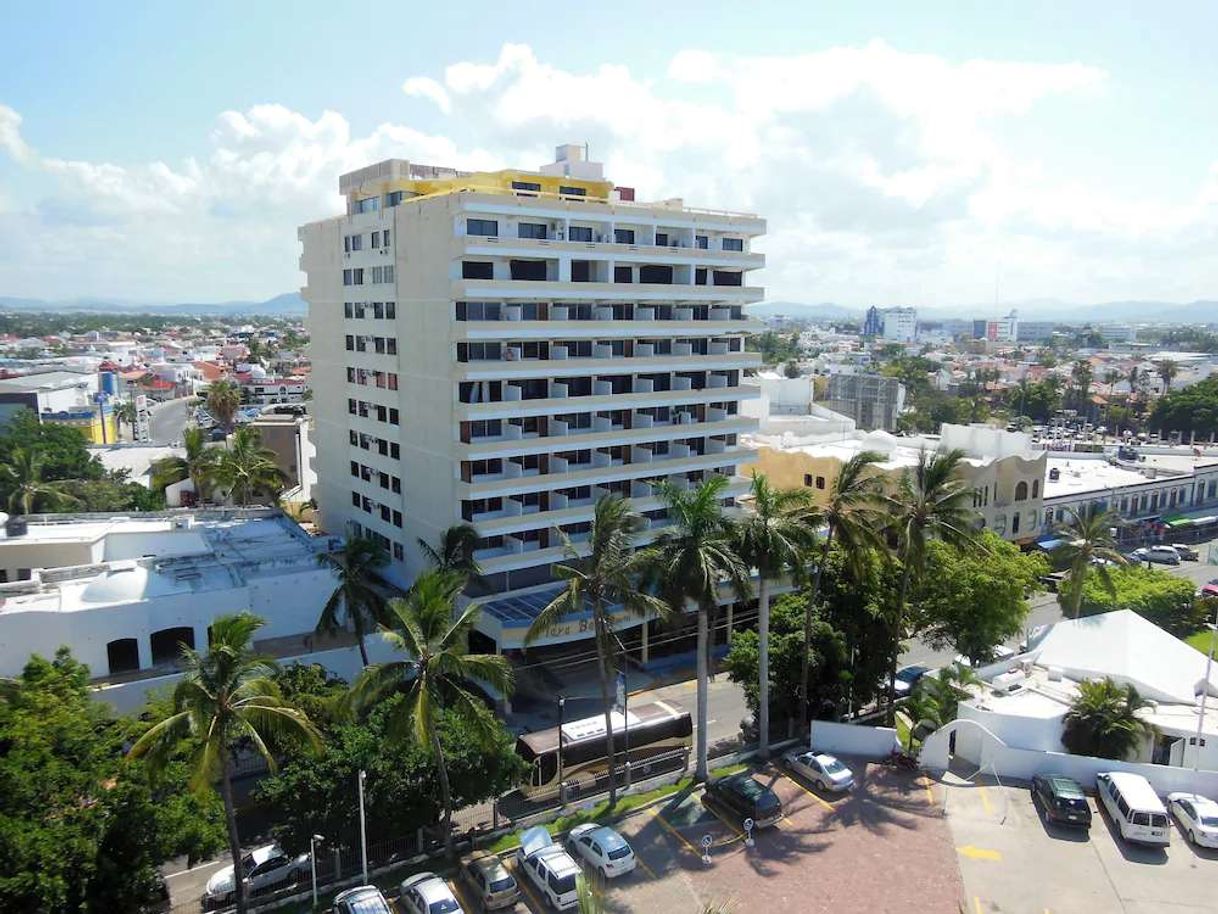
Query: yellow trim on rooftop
488	182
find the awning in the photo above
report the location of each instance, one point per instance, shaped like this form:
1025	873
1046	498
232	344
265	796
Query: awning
1049	543
1192	518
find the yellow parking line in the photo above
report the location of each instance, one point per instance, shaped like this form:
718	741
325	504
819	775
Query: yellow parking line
643	863
655	814
459	890
930	794
977	904
818	799
985	799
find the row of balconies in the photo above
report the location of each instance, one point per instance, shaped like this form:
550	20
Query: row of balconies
559	390
553	286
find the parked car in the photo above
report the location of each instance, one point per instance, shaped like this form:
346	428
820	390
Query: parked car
907	678
1162	555
998	653
820	768
549	868
603	849
1209	590
427	893
490	881
1187	553
264	868
1061	799
1135	808
1198	817
364	899
745	797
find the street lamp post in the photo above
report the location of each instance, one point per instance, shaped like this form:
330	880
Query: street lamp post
313	842
1205	691
562	706
363	827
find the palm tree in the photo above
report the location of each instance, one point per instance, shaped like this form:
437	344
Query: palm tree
436	673
605	581
931	502
1088	545
197	464
689	562
1167	370
355	599
772	538
936	699
455	551
1081	374
224	699
850	516
124	412
223	401
246	468
1102	721
23	477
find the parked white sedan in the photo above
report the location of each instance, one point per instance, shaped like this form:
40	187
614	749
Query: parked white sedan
427	893
820	768
602	848
1198	817
264	868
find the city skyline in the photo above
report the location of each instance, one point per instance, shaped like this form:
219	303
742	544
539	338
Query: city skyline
1019	154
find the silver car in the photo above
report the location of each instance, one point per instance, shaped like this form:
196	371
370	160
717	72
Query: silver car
822	769
491	882
264	868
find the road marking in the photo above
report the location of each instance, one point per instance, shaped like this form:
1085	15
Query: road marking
977	904
985	799
818	799
930	794
458	890
650	871
655	814
979	853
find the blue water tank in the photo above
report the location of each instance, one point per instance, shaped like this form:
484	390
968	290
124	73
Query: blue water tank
108	381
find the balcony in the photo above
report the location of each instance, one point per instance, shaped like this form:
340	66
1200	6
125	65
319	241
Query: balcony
644	251
641	397
545	290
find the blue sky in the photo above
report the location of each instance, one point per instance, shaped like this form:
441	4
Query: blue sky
167	151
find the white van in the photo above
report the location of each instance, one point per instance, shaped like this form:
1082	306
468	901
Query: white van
1134	807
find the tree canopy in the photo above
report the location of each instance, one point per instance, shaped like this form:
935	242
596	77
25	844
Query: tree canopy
1164	599
1188	410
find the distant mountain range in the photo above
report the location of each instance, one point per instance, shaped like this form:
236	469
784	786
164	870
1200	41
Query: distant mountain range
1159	312
290	304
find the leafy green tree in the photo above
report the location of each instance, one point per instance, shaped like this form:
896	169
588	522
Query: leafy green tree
931	502
356	601
1164	599
1088	549
850	518
226	698
828	662
63	449
81	830
223	401
605	582
1167	371
112	493
772	537
246	469
24	477
197	464
313	794
455	552
691	559
1192	410
435	675
974	599
1103	722
935	701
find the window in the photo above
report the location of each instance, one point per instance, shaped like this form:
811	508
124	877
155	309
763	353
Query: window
346	277
388	275
395	449
354	468
376	239
487	228
368	205
1036	492
820	482
526	186
378	310
391	310
528	269
355	499
384	512
581	271
394	199
357	277
376	275
393	418
391	345
398	552
702	242
700	276
385	238
623	236
347	243
395	485
477	269
733	244
397	518
567	191
535	230
580	233
350	343
352	436
654	273
1015	523
347	310
808	480
382	479
357	242
351	406
662	239
1021	491
623	274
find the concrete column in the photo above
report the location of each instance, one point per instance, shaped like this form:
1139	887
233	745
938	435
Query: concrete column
564	269
144	646
645	650
201	637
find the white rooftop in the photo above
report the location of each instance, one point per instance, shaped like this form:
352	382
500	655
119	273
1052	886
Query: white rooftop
1129	649
1082	476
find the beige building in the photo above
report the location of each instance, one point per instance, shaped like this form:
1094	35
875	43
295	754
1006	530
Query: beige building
503	348
1005	473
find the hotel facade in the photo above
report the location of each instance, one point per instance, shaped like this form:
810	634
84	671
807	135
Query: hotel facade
503	348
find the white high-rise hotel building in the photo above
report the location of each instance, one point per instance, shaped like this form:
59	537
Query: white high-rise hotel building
503	348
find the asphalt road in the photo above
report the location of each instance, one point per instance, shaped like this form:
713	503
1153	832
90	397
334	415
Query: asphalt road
167	421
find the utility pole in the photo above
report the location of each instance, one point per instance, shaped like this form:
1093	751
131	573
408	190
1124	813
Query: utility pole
363	827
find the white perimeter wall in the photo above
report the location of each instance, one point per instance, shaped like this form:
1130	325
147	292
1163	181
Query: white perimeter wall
853	739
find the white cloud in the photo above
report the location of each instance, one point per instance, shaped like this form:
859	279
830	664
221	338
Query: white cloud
884	175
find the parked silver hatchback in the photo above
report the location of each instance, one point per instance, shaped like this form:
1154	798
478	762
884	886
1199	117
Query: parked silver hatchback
492	884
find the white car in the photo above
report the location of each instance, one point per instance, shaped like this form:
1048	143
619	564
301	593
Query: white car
427	893
821	768
549	867
264	868
1198	817
602	848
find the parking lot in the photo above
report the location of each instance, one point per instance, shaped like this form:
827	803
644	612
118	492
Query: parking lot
884	847
1012	861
